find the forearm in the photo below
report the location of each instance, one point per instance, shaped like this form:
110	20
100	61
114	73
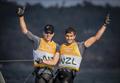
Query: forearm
96	37
103	28
100	32
23	25
53	61
50	62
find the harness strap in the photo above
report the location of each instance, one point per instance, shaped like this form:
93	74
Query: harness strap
46	81
39	74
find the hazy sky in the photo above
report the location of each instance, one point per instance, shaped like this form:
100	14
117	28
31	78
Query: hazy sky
67	3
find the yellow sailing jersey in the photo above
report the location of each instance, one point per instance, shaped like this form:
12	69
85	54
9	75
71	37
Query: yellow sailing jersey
70	56
45	51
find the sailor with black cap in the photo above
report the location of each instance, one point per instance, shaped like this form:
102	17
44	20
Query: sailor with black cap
44	49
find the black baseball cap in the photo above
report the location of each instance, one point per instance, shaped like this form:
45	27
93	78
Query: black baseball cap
49	29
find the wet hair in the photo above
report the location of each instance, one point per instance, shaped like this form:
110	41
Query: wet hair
69	30
49	28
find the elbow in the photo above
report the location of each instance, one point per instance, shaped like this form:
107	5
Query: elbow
24	32
53	63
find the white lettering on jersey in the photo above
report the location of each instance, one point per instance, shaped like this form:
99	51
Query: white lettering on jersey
41	55
70	61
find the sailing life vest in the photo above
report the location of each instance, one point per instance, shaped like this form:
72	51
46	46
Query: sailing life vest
70	56
45	51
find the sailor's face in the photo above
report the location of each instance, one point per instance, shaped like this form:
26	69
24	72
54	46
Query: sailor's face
70	37
48	36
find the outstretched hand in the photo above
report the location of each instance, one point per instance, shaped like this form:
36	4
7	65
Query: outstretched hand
20	11
107	20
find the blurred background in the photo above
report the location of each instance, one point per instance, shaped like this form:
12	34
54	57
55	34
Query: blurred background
101	62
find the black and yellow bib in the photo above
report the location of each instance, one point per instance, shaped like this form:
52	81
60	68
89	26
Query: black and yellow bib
70	56
45	51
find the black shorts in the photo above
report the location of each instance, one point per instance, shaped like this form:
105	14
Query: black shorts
43	77
65	76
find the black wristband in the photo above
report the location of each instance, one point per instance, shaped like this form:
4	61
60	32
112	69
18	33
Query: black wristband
20	15
20	12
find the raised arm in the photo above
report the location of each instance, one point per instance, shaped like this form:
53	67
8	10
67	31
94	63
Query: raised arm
98	35
23	26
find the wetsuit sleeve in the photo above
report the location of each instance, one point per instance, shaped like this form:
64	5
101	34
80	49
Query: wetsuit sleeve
81	47
57	47
35	39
